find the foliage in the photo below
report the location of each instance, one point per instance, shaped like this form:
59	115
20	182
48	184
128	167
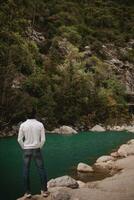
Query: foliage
65	87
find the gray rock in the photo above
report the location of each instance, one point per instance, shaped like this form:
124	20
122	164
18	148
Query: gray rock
64	130
119	128
98	128
82	167
104	158
130	129
64	181
36	36
126	150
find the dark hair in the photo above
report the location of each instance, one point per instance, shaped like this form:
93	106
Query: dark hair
31	114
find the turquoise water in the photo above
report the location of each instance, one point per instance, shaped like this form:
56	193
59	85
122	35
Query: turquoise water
61	154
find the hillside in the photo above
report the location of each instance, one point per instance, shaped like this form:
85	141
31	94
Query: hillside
74	61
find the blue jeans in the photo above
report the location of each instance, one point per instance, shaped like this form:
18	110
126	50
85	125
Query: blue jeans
28	154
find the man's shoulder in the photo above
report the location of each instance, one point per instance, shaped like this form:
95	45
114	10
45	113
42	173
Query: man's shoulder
39	123
25	123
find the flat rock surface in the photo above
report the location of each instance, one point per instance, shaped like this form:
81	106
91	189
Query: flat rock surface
117	187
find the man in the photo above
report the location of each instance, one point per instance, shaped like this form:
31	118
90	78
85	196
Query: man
31	138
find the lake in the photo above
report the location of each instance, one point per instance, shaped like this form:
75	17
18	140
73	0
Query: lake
61	155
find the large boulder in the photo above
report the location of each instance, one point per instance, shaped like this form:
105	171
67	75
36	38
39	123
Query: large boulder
130	129
104	166
126	150
82	167
64	130
98	128
104	159
131	142
64	181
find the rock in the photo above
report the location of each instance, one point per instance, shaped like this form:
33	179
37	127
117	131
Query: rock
104	159
131	43
116	128
81	184
126	150
17	81
36	36
114	154
109	128
56	130
82	167
116	62
35	197
4	134
98	128
60	195
64	130
119	128
87	52
11	134
131	141
127	65
64	181
104	166
130	129
15	128
122	151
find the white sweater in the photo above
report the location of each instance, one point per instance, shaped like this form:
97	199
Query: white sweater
31	134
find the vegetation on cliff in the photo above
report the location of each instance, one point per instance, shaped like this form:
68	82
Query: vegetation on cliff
45	61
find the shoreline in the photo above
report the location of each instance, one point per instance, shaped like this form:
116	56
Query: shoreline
119	186
69	130
10	134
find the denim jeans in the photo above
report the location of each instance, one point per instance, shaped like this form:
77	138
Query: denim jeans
28	155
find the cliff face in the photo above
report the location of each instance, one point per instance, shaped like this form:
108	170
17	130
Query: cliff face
121	61
56	52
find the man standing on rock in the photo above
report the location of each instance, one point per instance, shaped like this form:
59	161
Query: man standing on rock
31	138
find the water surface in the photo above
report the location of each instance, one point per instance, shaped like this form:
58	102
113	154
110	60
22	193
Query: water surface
61	154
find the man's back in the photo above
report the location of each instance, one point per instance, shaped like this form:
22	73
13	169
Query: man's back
31	134
31	138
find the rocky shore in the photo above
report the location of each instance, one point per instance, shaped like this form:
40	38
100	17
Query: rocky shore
67	130
117	187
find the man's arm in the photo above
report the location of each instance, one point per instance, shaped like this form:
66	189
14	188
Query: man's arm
20	137
43	137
